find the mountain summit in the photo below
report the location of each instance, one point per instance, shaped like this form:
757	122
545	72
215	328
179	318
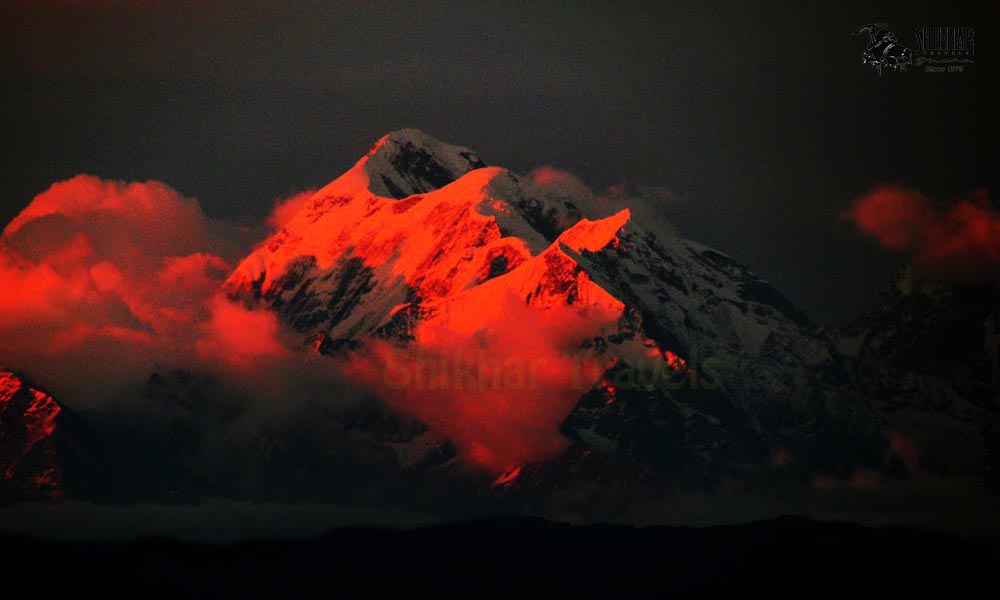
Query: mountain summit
407	162
420	248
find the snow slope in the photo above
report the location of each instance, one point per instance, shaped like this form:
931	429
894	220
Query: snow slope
419	235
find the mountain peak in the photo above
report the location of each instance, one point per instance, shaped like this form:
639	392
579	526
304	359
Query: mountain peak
423	246
408	161
401	164
408	134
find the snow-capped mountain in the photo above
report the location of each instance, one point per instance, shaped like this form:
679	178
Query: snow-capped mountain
419	235
30	432
927	356
548	341
355	262
947	331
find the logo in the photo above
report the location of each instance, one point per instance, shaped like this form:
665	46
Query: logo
939	49
945	48
884	50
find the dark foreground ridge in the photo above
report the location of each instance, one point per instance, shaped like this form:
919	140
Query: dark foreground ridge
524	557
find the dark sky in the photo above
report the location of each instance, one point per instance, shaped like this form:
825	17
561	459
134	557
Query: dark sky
764	122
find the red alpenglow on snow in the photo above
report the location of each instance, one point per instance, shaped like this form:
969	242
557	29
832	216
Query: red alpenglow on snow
461	295
959	242
468	317
28	459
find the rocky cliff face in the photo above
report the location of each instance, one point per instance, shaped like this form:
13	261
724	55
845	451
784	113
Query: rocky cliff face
29	432
926	357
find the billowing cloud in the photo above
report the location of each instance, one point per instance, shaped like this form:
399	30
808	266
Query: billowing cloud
109	282
653	206
958	242
286	208
560	182
240	337
564	185
901	448
501	392
106	281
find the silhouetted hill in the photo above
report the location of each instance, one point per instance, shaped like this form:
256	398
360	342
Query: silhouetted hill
524	557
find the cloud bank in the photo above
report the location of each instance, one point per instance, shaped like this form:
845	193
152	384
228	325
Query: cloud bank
959	242
106	282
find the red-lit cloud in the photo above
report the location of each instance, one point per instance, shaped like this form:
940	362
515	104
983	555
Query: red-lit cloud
285	208
560	182
109	282
499	394
239	337
497	367
960	242
106	281
903	450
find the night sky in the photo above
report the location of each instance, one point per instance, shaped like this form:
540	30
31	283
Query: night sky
763	123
